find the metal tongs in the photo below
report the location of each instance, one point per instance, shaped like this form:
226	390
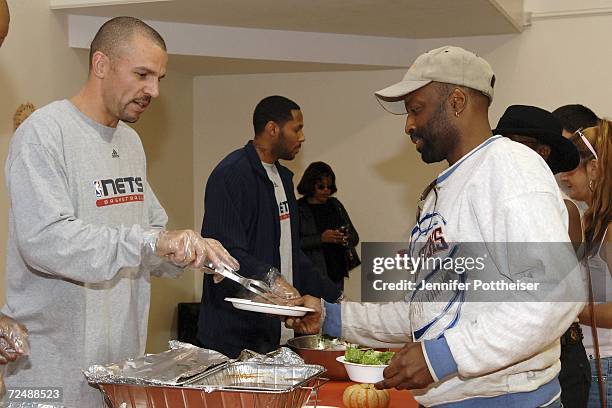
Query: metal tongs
260	288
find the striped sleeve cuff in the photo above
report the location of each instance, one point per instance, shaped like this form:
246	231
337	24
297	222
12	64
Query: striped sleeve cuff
439	358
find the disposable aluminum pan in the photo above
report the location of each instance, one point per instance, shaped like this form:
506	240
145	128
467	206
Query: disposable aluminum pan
232	385
257	376
172	367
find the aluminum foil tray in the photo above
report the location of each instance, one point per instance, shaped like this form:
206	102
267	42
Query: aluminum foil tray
234	385
134	396
258	377
172	367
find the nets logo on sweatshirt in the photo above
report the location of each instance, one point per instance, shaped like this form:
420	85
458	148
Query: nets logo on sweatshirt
120	190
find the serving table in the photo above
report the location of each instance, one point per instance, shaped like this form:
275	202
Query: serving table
330	394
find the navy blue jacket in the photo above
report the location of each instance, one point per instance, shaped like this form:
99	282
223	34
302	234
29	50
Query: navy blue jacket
240	211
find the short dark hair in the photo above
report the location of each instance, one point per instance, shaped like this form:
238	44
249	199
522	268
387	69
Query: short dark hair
314	173
444	89
117	31
575	116
275	109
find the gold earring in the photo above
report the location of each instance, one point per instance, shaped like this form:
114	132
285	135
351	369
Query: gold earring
456	114
591	185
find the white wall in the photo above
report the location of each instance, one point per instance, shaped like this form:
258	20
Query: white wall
555	62
380	176
166	130
37	65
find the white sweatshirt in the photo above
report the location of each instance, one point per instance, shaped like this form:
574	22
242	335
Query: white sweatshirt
501	192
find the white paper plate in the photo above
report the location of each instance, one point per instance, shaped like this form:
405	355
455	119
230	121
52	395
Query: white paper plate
245	304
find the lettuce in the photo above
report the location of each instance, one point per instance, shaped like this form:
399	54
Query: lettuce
367	356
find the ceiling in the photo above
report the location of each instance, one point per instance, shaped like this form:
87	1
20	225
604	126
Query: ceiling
231	66
412	21
196	65
385	18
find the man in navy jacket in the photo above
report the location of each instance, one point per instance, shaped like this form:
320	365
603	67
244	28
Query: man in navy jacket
249	205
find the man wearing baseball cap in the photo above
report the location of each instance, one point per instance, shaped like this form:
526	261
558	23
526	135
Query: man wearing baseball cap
500	351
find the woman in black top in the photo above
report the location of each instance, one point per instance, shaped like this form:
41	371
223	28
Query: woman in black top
326	232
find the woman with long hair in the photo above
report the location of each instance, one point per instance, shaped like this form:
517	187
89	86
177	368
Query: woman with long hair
591	182
327	234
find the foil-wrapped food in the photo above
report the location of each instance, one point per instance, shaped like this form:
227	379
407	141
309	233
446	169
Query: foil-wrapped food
188	377
282	356
172	367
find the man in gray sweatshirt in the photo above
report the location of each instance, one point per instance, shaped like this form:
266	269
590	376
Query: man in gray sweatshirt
85	229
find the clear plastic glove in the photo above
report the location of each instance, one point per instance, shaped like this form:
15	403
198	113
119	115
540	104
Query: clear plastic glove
188	248
13	339
281	288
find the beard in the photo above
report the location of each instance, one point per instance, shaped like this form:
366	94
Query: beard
127	117
438	137
282	151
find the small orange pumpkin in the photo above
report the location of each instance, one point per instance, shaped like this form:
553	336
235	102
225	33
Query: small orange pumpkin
365	396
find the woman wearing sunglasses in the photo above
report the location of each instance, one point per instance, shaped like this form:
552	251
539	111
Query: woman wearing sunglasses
327	234
591	182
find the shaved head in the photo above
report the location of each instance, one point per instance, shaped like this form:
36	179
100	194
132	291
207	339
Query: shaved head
114	36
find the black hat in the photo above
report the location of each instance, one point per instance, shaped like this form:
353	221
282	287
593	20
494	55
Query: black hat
542	125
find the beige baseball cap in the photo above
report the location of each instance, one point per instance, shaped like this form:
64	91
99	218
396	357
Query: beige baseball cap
452	65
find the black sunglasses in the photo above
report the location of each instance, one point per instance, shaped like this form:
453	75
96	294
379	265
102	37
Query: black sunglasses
321	186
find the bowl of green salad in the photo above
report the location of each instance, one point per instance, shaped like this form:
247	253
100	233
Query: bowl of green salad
365	365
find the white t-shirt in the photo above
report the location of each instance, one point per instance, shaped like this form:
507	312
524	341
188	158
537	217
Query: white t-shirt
286	257
285	222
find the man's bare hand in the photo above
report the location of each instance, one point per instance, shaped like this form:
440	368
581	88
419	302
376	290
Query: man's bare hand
309	323
407	370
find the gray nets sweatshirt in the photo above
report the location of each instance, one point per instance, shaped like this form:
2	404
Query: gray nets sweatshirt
76	272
